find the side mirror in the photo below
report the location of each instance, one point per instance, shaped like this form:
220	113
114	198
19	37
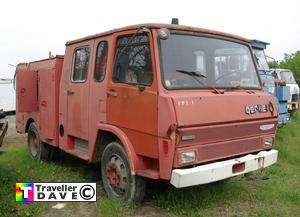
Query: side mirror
141	87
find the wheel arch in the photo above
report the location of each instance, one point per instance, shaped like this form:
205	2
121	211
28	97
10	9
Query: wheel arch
108	133
29	121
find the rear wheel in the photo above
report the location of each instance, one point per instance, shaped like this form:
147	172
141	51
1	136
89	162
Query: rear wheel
38	150
54	153
117	179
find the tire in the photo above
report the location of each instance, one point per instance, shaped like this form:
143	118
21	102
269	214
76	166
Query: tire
38	150
54	153
118	182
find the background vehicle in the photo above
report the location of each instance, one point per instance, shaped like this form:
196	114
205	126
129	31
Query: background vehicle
7	96
150	101
3	126
282	96
276	87
288	77
7	103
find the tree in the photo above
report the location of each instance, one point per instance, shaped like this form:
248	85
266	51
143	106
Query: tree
273	64
292	62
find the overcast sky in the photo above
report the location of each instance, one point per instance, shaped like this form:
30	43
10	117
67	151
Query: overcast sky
31	28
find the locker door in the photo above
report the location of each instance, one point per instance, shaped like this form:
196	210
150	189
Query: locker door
26	90
46	106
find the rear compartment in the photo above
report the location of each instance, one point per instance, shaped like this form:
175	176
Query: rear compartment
37	97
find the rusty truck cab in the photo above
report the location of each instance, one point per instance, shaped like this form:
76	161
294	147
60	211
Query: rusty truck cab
164	102
173	96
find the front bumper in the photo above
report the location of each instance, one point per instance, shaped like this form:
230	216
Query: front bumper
222	170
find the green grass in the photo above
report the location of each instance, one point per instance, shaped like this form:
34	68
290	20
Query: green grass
108	208
17	166
274	191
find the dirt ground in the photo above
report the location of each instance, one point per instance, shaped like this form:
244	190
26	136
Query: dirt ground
77	209
12	137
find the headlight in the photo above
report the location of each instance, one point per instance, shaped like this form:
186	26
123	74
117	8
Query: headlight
266	126
187	157
269	142
188	137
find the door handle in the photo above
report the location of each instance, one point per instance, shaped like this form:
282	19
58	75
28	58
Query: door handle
112	93
44	103
70	91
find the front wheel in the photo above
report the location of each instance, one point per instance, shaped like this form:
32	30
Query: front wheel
117	179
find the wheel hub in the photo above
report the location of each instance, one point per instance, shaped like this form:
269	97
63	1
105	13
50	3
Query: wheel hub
33	144
112	176
116	175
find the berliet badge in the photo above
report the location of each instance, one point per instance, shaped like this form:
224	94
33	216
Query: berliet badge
252	109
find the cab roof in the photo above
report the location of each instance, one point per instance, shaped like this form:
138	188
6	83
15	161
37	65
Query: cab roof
259	44
158	26
280	70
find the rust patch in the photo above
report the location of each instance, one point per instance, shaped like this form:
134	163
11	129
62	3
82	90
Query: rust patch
261	162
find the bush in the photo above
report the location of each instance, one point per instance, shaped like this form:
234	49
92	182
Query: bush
292	62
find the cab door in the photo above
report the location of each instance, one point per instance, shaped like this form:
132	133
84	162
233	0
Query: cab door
132	92
78	92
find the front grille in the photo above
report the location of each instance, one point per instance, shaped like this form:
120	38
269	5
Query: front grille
295	97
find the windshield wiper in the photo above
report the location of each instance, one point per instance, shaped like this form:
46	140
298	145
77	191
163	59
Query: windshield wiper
192	73
197	74
237	87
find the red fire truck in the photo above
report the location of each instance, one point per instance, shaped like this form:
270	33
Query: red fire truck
155	101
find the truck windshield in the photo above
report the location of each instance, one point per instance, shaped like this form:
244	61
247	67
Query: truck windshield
288	77
261	60
190	61
267	80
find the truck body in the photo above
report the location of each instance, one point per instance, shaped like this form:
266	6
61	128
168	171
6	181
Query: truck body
151	101
288	77
276	87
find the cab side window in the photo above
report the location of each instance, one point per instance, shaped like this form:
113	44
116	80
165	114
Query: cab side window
80	64
101	61
133	60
